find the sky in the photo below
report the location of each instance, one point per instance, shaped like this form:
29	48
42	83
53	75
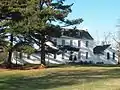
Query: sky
100	16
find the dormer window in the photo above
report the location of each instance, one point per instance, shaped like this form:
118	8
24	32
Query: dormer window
86	44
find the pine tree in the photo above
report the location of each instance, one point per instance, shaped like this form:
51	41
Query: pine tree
31	21
10	13
53	11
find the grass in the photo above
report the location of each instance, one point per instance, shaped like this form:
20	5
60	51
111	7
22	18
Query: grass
62	78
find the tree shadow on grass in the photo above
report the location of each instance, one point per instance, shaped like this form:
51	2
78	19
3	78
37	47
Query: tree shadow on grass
57	79
81	65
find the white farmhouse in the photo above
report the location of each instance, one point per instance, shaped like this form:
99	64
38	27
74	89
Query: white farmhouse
75	46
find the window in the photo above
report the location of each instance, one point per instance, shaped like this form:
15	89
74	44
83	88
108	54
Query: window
55	41
75	58
71	42
16	55
20	55
86	55
79	55
28	56
113	56
63	55
108	55
71	56
79	43
54	56
86	44
63	42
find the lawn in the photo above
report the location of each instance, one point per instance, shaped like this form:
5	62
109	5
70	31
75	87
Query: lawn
62	78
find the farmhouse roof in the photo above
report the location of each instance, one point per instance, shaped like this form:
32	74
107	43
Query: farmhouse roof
100	49
75	33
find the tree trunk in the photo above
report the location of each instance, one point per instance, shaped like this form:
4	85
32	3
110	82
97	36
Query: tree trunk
43	50
10	52
9	59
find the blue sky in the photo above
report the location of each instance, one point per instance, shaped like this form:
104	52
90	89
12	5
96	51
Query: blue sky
100	16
